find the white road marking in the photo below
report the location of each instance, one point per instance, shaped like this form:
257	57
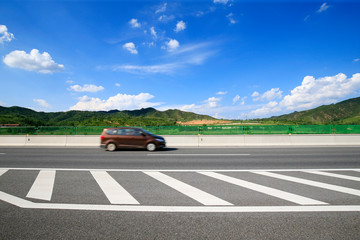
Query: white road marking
311	183
182	170
43	186
2	153
266	190
2	171
22	203
198	154
190	191
112	189
334	175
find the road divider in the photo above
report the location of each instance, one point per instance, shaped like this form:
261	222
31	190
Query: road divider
191	141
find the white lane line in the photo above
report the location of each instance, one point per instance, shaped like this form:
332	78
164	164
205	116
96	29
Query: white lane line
112	189
190	191
198	154
334	175
312	183
22	203
182	170
2	153
43	185
266	190
2	171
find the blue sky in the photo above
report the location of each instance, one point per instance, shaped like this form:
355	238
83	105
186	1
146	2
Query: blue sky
228	59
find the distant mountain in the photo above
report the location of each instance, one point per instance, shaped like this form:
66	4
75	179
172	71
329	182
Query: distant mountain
345	112
142	117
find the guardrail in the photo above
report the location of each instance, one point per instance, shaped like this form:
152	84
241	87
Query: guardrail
191	130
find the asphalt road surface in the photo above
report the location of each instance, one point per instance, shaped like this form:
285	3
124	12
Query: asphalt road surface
185	193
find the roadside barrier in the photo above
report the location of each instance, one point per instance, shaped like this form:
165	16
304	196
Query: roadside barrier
191	130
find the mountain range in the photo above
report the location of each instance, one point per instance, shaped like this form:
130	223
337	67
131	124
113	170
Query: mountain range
345	112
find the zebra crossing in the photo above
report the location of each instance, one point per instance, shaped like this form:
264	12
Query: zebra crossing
182	190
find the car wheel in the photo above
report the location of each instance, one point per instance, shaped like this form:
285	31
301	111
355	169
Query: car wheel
111	147
151	147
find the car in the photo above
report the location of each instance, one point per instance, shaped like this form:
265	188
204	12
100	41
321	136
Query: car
130	137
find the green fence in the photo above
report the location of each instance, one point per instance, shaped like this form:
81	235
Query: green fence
192	130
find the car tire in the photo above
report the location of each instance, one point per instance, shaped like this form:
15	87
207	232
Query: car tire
111	147
151	147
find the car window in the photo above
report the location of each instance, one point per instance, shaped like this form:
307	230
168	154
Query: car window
121	132
112	131
131	132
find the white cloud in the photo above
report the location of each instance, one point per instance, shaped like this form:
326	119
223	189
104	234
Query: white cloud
119	101
213	102
148	69
312	93
323	8
180	26
230	16
134	23
172	45
161	9
326	90
268	95
221	1
356	59
237	98
117	84
130	46
153	32
221	93
86	88
5	36
34	61
267	110
166	18
42	103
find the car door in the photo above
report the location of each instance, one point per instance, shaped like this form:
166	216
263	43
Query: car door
136	138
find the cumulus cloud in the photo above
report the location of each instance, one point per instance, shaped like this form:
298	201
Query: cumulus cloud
266	110
42	103
237	98
34	61
119	101
268	95
180	26
86	88
172	45
134	23
5	36
323	8
312	93
213	102
130	46
326	90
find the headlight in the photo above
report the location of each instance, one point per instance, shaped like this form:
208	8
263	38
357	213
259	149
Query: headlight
159	140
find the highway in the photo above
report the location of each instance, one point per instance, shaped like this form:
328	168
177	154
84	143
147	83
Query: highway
180	193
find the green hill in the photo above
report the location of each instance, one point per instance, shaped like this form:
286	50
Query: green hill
142	117
345	112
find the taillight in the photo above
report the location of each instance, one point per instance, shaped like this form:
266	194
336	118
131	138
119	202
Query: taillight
102	137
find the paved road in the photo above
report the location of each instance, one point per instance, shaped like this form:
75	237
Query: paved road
234	193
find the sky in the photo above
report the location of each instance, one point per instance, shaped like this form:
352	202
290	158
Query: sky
229	59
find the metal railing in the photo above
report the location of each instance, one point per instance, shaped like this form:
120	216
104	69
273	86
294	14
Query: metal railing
191	130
